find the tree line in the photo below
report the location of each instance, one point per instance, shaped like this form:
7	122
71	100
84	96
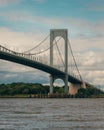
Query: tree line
26	88
37	89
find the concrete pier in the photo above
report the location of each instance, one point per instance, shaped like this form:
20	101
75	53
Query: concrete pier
73	88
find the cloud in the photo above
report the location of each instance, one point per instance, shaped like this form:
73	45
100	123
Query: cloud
91	58
96	6
8	2
13	72
17	16
95	77
39	1
81	28
92	6
15	40
33	76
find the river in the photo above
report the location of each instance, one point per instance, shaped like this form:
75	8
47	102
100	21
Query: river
51	114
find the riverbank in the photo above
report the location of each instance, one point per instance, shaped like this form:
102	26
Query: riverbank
37	96
49	96
98	96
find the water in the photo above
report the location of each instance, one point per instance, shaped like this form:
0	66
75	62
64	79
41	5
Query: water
51	114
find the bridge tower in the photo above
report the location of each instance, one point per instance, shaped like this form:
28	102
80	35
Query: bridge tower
64	34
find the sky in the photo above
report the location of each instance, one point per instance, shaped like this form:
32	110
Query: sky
23	23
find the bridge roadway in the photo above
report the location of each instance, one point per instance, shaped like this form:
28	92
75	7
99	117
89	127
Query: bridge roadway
34	64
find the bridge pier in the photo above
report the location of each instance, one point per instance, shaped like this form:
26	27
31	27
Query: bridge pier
51	84
73	88
65	80
66	84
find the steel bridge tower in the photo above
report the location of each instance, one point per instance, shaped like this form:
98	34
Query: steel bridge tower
64	34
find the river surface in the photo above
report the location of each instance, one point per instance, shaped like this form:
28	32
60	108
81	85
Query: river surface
51	114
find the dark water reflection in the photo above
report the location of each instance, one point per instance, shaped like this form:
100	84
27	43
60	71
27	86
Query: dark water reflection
51	114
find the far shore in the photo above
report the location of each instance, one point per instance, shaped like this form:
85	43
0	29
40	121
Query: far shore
48	96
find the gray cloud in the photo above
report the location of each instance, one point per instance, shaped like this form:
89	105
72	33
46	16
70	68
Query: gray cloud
39	1
8	2
34	76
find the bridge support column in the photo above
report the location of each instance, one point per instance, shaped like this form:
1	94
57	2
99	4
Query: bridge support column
51	84
64	34
66	84
73	88
66	63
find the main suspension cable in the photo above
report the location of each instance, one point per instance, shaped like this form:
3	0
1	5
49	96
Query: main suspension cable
30	54
45	49
74	60
36	45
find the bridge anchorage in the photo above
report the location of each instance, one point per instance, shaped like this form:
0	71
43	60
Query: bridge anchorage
28	58
73	86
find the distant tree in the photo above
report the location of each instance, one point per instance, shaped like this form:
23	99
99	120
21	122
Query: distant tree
82	92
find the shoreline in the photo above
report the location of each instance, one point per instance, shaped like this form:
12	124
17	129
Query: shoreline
50	96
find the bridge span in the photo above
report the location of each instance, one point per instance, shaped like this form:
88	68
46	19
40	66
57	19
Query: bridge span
35	64
27	59
20	59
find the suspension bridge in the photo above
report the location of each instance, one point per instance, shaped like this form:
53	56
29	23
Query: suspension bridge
56	60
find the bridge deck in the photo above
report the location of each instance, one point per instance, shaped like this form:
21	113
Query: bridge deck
34	64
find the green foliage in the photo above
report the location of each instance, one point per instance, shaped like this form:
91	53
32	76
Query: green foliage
58	89
23	88
88	92
38	89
